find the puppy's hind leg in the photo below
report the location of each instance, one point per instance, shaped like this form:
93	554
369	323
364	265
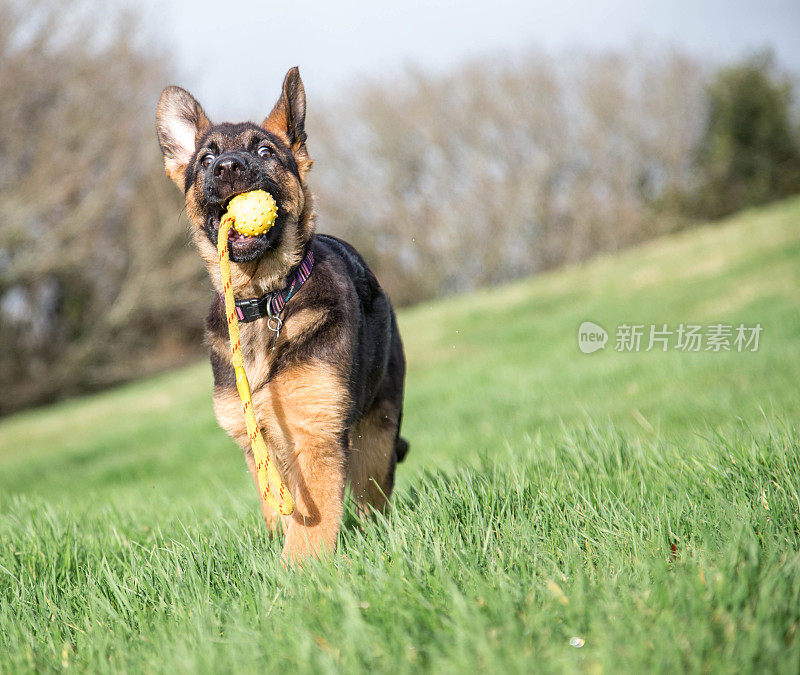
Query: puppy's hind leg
375	443
373	457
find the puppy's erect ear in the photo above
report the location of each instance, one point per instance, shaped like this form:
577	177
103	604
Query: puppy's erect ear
180	122
288	117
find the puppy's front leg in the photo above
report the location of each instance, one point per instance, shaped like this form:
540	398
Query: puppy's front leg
271	516
309	404
317	479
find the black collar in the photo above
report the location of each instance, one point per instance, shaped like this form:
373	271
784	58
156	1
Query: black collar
270	304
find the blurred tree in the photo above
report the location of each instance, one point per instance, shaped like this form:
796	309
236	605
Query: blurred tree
97	284
750	151
504	168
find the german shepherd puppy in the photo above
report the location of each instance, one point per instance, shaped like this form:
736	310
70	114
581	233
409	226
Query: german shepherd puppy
328	386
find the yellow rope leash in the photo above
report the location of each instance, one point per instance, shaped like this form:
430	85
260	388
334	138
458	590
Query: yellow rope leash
251	213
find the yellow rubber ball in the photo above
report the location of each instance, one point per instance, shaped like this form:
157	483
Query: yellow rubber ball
253	212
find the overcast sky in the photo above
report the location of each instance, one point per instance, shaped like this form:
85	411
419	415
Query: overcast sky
232	55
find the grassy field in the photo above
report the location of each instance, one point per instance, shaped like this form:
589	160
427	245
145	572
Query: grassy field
610	512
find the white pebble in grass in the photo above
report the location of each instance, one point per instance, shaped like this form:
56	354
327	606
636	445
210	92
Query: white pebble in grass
576	641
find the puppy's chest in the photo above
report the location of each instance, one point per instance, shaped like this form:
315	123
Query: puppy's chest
257	342
257	350
260	362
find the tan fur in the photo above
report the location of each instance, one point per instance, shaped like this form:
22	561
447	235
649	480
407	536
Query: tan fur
372	444
300	413
303	321
278	121
275	122
221	346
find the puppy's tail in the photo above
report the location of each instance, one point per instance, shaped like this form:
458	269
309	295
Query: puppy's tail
400	449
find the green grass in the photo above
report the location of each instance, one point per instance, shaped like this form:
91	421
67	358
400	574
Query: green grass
646	503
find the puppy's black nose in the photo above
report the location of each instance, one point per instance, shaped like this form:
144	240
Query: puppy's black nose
228	168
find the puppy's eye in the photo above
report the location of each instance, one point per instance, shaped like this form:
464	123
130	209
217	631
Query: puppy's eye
207	159
265	151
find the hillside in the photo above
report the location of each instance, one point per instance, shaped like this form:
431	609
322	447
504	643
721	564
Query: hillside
645	501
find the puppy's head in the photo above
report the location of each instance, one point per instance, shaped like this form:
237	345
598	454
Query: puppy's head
213	163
